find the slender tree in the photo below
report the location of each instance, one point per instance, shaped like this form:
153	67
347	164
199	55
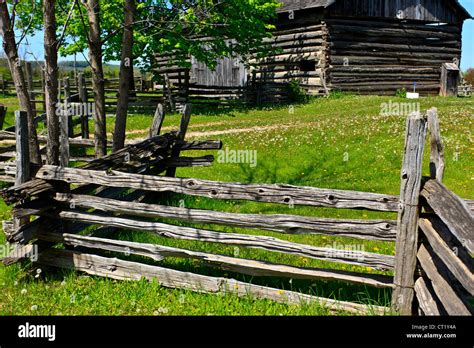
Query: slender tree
51	81
126	76
11	50
98	83
225	28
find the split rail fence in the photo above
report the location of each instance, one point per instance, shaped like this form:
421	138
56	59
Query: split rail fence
57	203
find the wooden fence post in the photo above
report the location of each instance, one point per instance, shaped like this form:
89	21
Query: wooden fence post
169	93
183	128
22	148
23	170
42	100
83	98
2	85
64	139
155	128
437	147
67	103
29	83
65	124
3	113
407	237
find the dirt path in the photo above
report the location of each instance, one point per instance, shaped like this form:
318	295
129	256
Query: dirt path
169	128
231	130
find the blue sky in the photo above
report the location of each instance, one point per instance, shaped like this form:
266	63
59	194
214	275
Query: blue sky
467	60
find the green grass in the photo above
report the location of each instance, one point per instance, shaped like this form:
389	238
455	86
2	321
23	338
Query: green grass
339	143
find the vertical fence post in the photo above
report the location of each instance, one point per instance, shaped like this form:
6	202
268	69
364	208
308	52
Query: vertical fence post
83	98
155	128
64	139
183	128
30	85
436	146
3	113
22	149
42	100
407	237
2	85
169	93
65	124
67	104
23	170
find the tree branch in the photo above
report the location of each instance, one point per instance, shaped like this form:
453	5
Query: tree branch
61	38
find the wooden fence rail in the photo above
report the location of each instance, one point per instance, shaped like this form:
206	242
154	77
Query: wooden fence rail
447	243
433	235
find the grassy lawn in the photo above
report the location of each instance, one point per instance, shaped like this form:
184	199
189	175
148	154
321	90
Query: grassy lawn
340	143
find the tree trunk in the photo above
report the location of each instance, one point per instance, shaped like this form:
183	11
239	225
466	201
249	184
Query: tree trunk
98	84
11	51
126	73
51	81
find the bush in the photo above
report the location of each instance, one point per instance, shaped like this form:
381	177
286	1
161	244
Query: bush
401	93
336	94
295	92
469	76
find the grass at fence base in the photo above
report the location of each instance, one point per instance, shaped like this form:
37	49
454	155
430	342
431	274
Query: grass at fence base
340	143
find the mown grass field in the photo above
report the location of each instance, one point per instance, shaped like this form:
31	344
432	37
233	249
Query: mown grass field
341	143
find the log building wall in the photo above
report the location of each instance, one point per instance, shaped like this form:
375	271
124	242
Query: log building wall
375	57
361	46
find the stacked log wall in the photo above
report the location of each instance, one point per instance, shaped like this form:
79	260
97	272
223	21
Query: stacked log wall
297	41
375	57
299	56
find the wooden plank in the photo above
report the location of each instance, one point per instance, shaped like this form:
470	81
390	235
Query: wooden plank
451	301
407	239
245	266
427	299
436	146
19	253
7	178
158	119
183	128
29	81
64	139
462	272
67	102
354	257
204	161
452	210
23	171
139	155
289	224
126	270
3	113
82	87
284	194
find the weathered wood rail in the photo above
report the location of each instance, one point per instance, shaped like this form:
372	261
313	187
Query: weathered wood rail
113	194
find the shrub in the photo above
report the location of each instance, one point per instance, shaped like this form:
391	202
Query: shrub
295	92
401	93
469	76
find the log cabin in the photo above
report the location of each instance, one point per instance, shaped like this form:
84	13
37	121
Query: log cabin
359	46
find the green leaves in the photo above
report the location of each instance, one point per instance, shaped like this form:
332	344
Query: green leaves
205	29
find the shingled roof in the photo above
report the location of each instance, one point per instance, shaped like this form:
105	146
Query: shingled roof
295	5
